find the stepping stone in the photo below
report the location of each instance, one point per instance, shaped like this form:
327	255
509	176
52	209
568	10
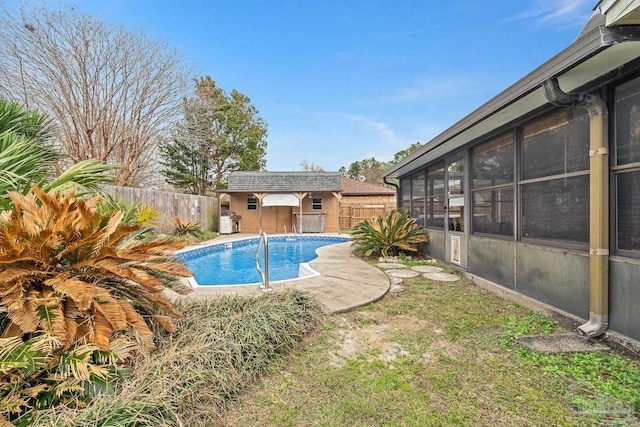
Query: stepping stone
402	273
389	265
441	277
394	289
395	280
426	268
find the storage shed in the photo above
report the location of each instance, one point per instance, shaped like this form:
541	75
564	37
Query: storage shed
275	202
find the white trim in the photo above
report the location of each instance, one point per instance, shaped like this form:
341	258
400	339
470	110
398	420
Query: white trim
280	199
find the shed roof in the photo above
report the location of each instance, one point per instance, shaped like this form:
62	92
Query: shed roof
354	187
277	182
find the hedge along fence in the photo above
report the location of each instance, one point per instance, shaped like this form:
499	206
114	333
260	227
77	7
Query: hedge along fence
188	207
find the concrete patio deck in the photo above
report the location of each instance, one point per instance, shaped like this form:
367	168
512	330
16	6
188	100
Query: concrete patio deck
345	281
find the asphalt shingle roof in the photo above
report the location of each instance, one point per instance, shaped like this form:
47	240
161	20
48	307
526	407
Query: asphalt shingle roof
274	182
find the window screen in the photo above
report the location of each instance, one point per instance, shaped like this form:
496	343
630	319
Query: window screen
492	162
557	209
493	211
417	197
435	199
627	111
492	165
627	175
405	193
628	207
556	144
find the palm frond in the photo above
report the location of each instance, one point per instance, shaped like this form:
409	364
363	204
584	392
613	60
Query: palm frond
83	178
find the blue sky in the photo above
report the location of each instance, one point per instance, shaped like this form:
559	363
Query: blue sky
341	80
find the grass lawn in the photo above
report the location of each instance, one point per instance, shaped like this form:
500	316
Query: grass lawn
439	354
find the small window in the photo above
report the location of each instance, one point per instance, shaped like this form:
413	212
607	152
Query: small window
316	203
252	203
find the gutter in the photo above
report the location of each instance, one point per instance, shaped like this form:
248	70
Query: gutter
396	186
598	202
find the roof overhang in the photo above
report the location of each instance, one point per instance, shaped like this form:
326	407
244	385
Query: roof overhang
597	53
243	191
620	12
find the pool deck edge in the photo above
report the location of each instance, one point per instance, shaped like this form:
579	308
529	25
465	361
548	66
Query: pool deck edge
345	282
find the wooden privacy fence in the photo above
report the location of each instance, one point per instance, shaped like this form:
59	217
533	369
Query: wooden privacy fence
189	207
352	215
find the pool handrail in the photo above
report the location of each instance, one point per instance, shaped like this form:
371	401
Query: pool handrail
264	275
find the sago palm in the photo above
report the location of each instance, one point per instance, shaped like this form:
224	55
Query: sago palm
387	234
67	271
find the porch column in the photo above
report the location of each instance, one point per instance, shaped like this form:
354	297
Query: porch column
339	197
300	197
259	196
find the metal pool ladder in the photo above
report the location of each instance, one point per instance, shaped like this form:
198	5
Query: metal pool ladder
264	242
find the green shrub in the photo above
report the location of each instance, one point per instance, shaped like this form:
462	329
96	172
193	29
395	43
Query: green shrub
186	228
388	234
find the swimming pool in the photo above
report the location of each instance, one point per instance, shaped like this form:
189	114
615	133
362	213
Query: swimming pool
234	263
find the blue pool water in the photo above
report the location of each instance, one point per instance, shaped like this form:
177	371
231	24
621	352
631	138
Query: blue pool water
234	263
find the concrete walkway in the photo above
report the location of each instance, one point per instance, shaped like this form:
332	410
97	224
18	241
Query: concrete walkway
345	281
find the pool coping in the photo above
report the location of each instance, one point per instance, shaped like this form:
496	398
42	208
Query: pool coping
345	281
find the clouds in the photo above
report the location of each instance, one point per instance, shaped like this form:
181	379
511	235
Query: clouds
431	88
561	14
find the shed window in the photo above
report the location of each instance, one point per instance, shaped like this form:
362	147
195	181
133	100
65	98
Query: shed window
252	203
492	172
627	171
316	203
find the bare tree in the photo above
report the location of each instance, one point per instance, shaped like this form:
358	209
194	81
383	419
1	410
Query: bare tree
112	92
310	166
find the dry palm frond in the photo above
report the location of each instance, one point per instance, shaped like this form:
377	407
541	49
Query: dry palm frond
70	272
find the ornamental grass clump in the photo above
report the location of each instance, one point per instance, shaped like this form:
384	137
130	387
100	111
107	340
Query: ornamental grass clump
79	293
222	347
387	235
